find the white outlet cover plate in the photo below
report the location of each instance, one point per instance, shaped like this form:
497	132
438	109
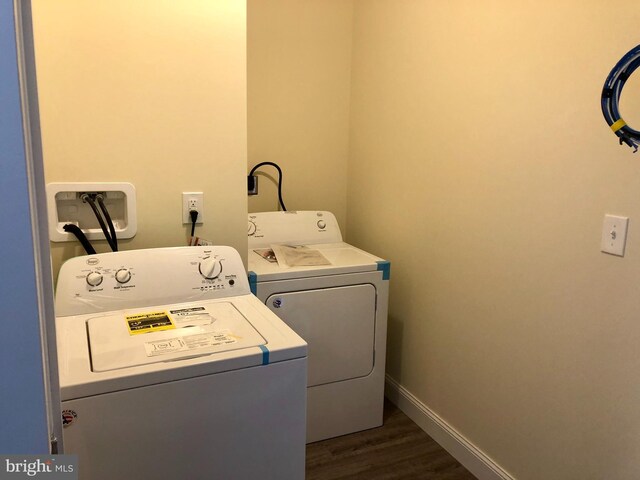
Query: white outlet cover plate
614	234
199	198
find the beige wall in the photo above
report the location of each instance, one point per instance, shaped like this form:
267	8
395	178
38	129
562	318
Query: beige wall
299	57
152	93
481	167
479	164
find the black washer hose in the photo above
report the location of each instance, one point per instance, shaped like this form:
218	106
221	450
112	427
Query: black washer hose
82	238
107	217
610	98
88	199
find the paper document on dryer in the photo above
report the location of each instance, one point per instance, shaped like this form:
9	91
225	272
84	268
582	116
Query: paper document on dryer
298	256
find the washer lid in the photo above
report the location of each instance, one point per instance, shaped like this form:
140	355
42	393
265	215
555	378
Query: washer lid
152	335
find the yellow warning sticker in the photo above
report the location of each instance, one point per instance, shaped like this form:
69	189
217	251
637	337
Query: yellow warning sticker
149	322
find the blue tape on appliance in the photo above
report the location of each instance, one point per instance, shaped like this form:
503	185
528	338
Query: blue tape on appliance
253	282
384	266
265	354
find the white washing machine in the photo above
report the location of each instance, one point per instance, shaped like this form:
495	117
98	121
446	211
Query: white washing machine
340	309
170	368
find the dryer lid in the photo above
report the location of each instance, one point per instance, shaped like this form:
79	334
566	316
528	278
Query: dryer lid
343	258
151	335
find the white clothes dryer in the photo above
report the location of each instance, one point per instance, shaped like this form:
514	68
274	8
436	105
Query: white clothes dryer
339	308
170	368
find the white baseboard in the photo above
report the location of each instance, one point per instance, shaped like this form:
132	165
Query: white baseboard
474	459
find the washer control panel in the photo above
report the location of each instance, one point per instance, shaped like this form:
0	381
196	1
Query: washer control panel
303	228
138	278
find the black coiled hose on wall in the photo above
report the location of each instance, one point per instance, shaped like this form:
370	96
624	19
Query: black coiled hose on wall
611	98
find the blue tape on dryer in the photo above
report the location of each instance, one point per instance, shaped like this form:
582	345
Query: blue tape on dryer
384	266
265	354
253	282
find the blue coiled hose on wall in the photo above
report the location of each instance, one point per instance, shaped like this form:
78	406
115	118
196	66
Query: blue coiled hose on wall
611	97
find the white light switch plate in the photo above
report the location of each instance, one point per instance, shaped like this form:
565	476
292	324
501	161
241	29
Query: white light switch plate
614	234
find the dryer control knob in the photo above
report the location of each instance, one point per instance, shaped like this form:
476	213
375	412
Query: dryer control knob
322	224
210	268
252	228
123	275
94	279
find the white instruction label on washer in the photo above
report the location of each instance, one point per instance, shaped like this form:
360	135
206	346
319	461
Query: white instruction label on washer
189	342
192	316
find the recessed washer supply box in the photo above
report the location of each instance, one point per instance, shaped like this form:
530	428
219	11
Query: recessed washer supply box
65	205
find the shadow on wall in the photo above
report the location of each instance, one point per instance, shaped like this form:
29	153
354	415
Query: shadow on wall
395	335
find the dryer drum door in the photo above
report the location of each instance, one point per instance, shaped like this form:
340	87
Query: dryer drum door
338	324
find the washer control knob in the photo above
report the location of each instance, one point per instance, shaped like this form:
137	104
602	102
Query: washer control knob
123	275
252	228
322	224
210	268
94	279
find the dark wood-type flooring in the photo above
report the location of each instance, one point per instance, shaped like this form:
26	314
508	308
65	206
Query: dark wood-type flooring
397	450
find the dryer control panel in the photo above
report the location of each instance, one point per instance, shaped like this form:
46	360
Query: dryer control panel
139	278
303	228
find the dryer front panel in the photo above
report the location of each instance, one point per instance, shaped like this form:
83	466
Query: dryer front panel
338	323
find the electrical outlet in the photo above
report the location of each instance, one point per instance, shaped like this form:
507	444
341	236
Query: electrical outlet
252	184
192	201
614	234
